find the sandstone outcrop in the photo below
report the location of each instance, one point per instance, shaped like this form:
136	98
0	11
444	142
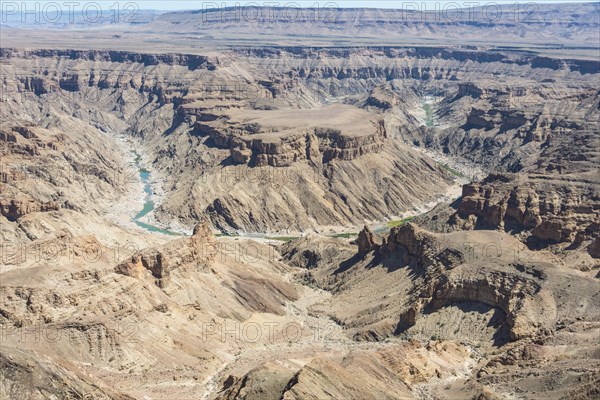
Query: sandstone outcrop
420	276
552	211
519	298
147	59
312	252
492	296
55	172
366	241
419	248
277	142
199	251
16	208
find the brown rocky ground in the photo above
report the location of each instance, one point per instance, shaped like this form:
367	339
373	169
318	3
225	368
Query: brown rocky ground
202	120
494	295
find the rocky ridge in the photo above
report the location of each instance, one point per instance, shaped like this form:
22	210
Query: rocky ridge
494	295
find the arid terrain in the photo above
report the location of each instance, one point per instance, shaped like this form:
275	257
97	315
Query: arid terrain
287	203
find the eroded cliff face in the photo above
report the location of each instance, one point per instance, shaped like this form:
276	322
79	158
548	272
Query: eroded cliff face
63	170
482	287
527	306
538	142
272	139
430	274
552	212
191	115
127	313
204	124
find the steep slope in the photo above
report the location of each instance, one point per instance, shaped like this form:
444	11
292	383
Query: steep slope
493	296
96	323
319	169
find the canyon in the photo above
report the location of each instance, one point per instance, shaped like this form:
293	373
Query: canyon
197	206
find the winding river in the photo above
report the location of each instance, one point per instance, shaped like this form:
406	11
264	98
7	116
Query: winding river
148	202
378	228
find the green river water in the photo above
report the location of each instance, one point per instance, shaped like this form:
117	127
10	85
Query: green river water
148	203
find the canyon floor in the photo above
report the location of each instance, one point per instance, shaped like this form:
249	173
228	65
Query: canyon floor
343	205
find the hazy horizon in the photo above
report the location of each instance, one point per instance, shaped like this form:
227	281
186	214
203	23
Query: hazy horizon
184	5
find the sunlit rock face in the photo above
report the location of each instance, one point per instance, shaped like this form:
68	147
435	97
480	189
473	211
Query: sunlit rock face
197	205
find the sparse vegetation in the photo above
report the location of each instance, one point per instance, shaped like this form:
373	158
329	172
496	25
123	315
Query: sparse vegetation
282	135
137	157
394	224
451	170
285	238
226	234
344	235
428	115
